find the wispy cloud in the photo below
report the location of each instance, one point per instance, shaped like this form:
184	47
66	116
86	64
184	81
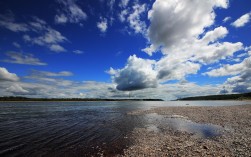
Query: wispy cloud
123	3
226	19
122	15
119	53
69	12
22	58
50	74
42	33
78	52
46	36
50	78
16	45
111	4
57	48
133	17
8	21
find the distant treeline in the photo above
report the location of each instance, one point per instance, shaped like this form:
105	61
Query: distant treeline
244	96
12	98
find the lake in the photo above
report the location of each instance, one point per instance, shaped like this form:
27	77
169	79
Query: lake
75	128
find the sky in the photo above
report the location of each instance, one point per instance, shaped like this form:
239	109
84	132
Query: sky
164	49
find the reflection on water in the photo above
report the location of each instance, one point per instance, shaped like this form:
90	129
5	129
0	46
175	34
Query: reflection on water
180	123
73	128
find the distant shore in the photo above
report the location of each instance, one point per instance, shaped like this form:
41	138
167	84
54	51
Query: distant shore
25	99
235	140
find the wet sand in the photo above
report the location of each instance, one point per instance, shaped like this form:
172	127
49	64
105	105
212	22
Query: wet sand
163	140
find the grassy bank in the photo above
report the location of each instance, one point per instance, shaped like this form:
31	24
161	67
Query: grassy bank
245	96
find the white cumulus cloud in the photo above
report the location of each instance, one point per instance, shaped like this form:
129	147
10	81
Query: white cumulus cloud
5	75
137	74
102	25
174	23
217	33
174	69
234	69
242	21
134	19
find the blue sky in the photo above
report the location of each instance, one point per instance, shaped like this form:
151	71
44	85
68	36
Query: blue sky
109	48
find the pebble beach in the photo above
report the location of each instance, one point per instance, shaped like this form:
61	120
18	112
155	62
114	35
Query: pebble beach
234	138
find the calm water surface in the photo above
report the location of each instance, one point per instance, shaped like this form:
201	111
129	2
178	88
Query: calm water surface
75	128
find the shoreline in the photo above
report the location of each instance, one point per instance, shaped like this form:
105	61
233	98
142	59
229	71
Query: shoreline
248	100
235	140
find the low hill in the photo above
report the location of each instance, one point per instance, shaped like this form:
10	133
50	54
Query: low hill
244	96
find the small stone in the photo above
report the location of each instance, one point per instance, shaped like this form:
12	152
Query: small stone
205	147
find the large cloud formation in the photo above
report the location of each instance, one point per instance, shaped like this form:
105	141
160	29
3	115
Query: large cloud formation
179	29
184	31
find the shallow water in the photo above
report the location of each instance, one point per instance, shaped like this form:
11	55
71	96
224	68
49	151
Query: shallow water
180	123
74	128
